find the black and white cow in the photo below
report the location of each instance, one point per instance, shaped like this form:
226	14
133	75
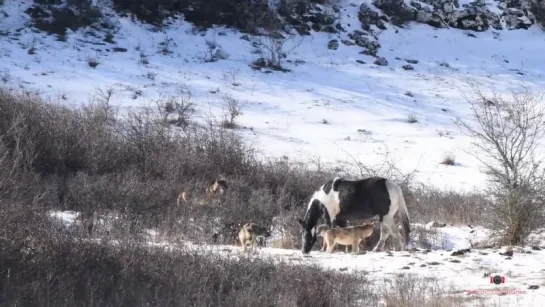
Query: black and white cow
339	200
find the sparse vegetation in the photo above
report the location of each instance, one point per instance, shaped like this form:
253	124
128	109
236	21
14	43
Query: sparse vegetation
182	106
406	290
93	62
56	18
448	159
144	59
411	119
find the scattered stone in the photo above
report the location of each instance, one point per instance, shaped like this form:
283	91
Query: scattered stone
389	254
436	224
360	61
508	258
347	42
423	265
361	39
455	260
533	287
508	253
245	37
367	17
333	44
119	49
411	61
407	67
405	268
483	253
536	248
434	263
343	269
222	34
460	252
381	61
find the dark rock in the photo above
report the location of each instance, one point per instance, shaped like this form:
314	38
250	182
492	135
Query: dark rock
367	17
347	42
508	253
533	287
460	252
408	67
245	37
381	61
333	44
411	61
360	61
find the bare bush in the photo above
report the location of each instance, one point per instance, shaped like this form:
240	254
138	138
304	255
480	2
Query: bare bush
232	110
506	134
276	47
448	159
181	106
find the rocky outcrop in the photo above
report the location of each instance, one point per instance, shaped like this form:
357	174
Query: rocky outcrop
475	16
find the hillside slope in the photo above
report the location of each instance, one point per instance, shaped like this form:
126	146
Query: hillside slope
336	102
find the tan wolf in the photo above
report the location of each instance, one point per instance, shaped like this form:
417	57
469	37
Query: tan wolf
248	234
350	235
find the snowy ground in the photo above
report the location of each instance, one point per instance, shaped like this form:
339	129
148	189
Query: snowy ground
366	106
467	275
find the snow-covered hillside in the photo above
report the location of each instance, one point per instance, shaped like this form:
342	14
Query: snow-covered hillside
333	105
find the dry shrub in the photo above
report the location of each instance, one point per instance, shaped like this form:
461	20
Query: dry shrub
67	273
408	290
430	204
90	159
